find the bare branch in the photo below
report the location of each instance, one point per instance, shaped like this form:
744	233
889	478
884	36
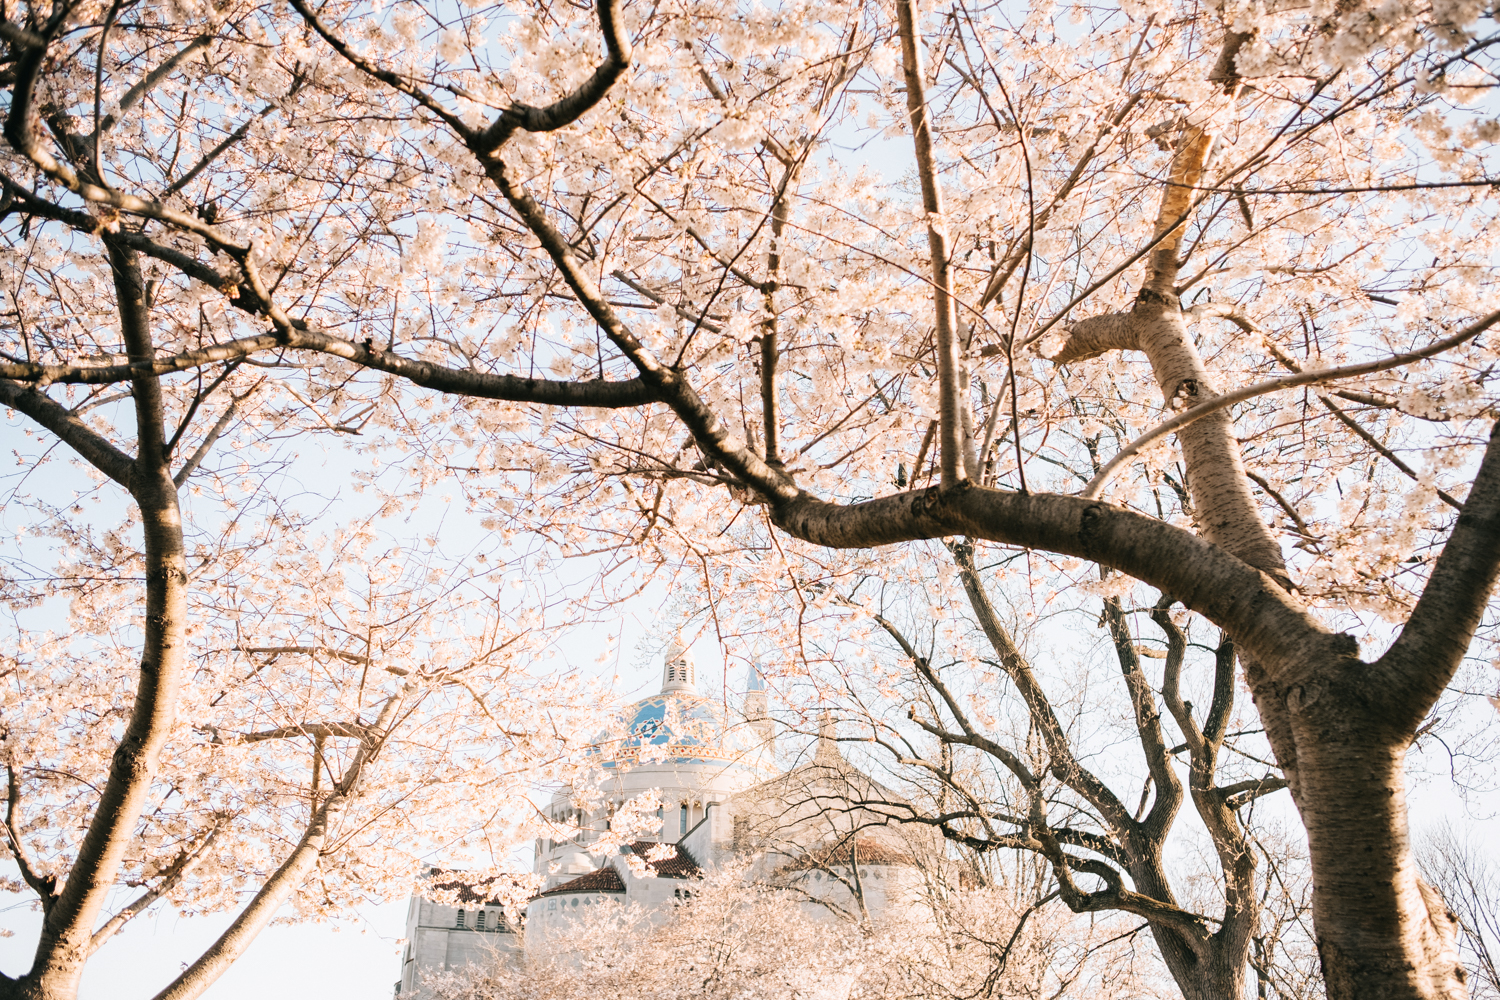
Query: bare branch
953	449
179	869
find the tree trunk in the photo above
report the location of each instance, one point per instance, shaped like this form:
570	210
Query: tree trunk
73	913
1381	932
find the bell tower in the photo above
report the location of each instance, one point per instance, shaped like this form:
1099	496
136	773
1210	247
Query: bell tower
678	672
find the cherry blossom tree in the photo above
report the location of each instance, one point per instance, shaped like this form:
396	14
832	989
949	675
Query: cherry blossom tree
754	291
338	713
733	938
1042	754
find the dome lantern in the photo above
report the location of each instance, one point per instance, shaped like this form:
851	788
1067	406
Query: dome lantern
678	672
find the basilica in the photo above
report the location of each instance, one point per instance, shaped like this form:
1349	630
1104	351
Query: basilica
809	826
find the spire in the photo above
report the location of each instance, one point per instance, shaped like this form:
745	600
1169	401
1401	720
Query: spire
757	708
828	742
677	671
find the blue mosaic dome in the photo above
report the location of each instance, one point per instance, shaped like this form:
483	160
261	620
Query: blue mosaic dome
687	727
676	725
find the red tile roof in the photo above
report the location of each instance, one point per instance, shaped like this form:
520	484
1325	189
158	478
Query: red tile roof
684	865
481	893
605	879
867	851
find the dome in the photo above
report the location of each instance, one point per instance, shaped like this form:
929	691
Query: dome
677	725
674	727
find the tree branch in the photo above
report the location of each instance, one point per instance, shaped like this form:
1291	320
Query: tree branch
1310	377
68	927
1426	654
1064	764
1168	799
568	109
953	448
148	82
44	886
457	381
1097	335
1267	621
180	869
1382	450
1241	793
72	431
214	962
319	730
667	385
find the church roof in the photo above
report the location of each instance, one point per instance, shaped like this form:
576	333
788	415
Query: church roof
604	879
607	879
866	851
485	892
677	724
682	865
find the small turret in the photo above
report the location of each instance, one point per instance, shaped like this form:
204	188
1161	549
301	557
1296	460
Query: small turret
757	709
678	672
828	742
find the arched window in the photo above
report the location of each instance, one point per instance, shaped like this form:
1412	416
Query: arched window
460	924
683	824
479	921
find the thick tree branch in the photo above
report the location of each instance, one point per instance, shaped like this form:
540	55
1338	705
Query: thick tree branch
1242	793
1182	713
72	431
1423	659
63	943
953	447
319	730
1265	619
1097	335
1309	377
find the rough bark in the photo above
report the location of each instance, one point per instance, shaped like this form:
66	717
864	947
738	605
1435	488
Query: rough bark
954	447
68	927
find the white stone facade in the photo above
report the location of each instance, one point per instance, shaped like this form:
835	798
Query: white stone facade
450	938
721	799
